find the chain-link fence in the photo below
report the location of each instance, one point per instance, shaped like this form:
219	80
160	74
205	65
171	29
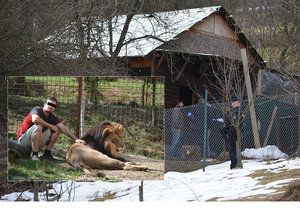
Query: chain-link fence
277	120
85	101
139	101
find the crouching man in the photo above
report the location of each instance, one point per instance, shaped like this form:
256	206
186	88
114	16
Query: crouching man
41	128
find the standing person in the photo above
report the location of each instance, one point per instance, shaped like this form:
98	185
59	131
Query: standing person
177	126
231	120
41	127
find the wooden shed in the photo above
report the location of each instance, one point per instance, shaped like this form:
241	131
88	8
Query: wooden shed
189	48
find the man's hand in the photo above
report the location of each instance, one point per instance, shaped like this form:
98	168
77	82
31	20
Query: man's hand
80	141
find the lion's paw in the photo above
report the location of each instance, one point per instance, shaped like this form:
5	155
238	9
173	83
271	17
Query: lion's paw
132	166
143	167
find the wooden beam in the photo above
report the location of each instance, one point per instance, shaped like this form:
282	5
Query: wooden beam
159	62
270	126
140	62
250	99
258	87
181	70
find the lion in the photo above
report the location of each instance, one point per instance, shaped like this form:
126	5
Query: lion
105	143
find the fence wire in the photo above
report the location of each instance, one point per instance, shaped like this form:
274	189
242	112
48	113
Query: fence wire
277	120
141	100
125	100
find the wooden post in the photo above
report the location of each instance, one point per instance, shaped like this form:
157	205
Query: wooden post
35	191
250	98
258	87
141	191
270	126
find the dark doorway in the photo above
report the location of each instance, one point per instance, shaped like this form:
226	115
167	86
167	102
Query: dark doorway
185	94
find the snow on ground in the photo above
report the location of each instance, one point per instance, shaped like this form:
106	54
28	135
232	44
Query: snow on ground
217	182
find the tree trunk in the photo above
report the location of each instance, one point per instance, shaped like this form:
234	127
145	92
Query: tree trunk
238	147
17	150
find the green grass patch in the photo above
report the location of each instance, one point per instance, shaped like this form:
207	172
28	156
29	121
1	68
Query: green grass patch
26	169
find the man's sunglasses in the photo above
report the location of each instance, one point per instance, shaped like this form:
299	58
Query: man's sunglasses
50	104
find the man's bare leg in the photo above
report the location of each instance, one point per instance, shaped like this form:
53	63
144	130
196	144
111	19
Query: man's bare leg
37	138
53	138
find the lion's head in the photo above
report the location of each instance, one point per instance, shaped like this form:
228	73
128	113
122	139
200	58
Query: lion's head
114	135
106	137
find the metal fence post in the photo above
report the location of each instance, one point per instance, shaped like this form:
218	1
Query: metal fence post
205	131
81	107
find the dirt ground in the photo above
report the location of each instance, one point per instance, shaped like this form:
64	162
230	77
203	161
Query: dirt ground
155	171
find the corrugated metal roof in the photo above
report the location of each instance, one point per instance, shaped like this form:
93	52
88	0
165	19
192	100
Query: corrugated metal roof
152	30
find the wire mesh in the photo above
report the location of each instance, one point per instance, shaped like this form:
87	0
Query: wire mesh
190	154
125	100
140	100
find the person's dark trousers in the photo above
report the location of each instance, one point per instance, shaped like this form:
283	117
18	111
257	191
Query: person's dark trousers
232	147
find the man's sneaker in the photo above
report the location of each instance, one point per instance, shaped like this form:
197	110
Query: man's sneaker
49	158
35	158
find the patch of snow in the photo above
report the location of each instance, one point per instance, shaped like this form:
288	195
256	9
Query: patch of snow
269	152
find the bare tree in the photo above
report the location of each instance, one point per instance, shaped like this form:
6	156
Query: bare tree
274	30
57	35
38	34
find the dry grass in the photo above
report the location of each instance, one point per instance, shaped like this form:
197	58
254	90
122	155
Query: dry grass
268	176
289	192
292	192
283	193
